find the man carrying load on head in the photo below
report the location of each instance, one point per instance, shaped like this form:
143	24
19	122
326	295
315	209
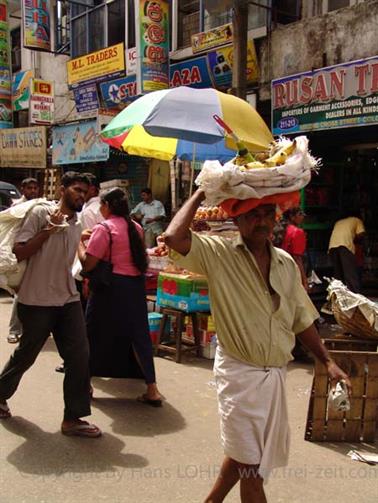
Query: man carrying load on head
259	307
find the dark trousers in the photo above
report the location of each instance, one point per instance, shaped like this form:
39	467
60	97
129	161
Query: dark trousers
67	325
345	267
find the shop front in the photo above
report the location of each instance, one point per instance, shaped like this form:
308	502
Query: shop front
337	108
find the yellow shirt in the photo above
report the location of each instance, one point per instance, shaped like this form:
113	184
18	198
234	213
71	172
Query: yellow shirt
248	325
344	232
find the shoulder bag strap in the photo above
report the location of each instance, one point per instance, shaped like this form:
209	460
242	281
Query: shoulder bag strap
110	239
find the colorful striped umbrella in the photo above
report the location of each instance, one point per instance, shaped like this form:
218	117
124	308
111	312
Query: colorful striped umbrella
155	121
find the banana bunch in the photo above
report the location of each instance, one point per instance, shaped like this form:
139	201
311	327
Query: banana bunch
276	156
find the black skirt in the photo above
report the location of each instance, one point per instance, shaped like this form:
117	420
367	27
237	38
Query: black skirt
117	317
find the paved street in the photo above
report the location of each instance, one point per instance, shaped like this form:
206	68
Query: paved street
153	455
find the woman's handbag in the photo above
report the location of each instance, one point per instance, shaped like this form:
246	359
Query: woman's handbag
100	276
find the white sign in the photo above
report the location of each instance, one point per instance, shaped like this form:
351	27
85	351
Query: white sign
131	61
41	109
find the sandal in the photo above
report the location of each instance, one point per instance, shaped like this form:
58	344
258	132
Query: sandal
4	411
13	338
82	429
149	401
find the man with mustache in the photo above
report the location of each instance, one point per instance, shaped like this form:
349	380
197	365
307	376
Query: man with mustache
48	302
259	305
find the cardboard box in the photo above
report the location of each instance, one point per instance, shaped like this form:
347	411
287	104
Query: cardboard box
208	351
183	292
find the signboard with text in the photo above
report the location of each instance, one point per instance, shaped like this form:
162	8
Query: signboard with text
23	147
344	95
192	73
36	24
153	45
41	110
86	98
119	91
6	120
96	66
212	38
21	90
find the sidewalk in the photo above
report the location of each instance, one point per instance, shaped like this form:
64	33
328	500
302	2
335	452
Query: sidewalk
154	455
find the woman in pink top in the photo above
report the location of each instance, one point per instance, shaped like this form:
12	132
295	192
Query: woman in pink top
117	322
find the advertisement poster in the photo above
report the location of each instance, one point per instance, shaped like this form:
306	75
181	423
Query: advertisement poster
221	62
192	73
212	38
344	95
5	69
76	143
153	45
36	19
119	91
97	66
131	61
41	110
21	90
23	147
86	98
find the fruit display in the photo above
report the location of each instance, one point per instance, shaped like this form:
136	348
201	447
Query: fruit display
277	155
211	214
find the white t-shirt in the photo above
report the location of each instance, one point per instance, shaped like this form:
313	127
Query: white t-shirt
150	210
90	214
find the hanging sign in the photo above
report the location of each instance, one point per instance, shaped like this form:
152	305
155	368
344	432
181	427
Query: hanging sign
5	69
75	143
41	110
339	96
153	45
36	24
96	66
131	61
86	98
192	73
212	38
23	147
119	91
21	90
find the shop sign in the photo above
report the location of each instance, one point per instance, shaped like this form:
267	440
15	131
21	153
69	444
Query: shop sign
153	45
344	95
75	143
41	110
36	24
221	63
23	147
131	61
21	90
86	98
119	91
192	73
5	69
212	38
96	66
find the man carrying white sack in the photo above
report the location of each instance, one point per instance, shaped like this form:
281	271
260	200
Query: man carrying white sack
259	306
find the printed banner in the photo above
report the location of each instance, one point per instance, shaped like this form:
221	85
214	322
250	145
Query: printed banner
131	61
41	109
21	90
212	38
221	63
344	95
78	143
153	45
119	91
86	98
97	66
192	73
5	69
23	147
36	19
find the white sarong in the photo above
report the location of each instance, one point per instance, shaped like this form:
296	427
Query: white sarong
253	410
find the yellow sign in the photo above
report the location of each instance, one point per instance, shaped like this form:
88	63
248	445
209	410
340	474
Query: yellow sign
23	147
212	38
42	87
96	66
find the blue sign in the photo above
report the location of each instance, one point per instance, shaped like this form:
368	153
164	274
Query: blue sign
192	73
119	91
78	143
86	98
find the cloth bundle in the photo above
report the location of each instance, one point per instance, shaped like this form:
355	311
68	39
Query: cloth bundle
226	182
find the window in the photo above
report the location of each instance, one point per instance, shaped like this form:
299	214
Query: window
16	49
62	26
258	16
188	22
93	28
332	5
217	13
286	11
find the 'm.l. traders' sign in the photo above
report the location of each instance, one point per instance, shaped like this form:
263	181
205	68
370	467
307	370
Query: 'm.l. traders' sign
338	96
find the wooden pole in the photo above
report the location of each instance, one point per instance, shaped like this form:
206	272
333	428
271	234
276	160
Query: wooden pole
240	36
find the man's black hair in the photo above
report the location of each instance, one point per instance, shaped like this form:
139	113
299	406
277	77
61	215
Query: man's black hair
26	181
72	177
93	180
147	190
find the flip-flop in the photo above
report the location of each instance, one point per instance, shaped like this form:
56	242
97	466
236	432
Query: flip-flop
149	401
4	411
82	429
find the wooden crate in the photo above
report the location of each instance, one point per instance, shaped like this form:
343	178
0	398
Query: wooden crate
359	423
346	343
52	183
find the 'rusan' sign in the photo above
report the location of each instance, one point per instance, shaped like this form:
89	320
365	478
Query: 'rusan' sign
338	96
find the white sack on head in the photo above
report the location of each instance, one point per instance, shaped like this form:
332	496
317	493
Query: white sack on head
229	181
